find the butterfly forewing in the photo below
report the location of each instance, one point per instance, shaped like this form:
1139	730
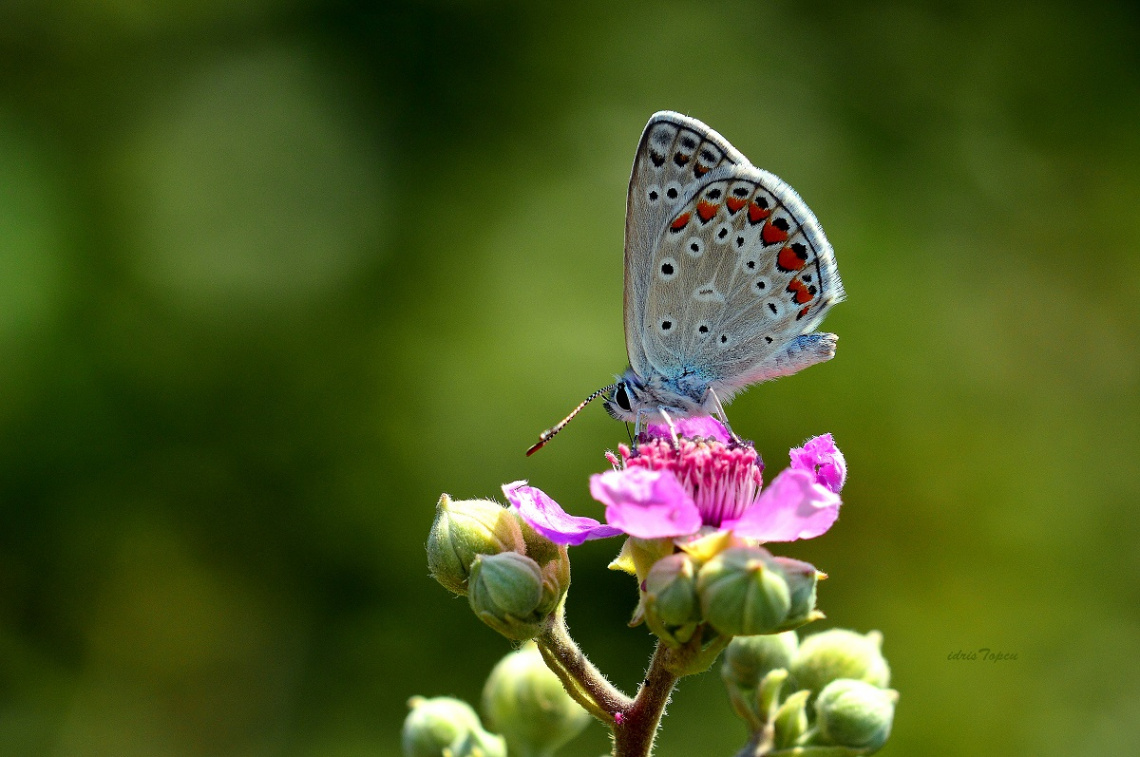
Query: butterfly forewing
674	155
725	267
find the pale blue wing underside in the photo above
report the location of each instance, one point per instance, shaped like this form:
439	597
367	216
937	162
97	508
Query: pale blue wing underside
727	269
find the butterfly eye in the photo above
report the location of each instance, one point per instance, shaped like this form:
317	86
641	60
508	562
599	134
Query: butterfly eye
622	398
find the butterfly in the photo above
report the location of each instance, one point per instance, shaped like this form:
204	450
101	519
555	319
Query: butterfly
727	276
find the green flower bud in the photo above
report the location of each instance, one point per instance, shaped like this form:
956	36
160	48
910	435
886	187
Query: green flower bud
553	560
749	658
434	725
465	529
801	578
740	595
855	714
672	608
526	703
840	653
505	592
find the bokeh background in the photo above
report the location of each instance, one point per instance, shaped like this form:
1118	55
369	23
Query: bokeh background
274	274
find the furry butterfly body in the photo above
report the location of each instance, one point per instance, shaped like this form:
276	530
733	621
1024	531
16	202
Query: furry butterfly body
727	276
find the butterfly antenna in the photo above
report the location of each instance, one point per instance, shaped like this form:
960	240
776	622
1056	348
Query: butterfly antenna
549	433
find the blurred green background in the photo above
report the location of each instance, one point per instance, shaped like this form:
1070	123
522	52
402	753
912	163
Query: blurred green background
274	274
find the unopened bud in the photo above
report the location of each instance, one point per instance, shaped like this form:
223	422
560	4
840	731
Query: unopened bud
672	608
839	653
740	595
801	578
442	724
505	591
855	714
526	703
749	658
464	529
554	562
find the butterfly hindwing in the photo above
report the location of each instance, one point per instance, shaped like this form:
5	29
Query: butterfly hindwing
723	278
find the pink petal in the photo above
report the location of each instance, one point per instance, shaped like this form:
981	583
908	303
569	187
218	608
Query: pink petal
648	504
822	459
691	428
792	507
548	518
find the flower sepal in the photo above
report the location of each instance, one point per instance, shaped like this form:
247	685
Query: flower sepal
638	556
791	720
768	694
697	654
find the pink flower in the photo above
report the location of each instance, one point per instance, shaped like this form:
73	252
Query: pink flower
665	492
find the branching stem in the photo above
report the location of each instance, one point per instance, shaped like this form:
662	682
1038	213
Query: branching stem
582	680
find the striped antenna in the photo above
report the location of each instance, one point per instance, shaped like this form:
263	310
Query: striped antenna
549	433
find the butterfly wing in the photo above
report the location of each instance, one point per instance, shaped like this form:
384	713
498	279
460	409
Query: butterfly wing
674	154
737	275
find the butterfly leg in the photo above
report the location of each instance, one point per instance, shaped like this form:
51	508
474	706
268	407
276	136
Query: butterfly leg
636	431
723	416
672	429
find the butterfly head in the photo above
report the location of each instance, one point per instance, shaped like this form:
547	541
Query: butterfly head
624	398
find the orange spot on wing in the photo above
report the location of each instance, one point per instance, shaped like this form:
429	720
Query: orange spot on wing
802	313
800	290
770	233
700	170
706	210
788	260
734	204
681	222
756	214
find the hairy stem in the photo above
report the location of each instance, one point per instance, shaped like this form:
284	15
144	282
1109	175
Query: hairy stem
582	680
634	735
